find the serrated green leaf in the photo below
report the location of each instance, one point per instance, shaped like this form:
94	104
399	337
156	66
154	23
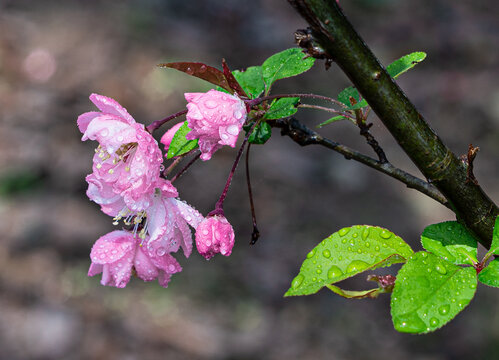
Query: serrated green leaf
490	275
251	80
333	119
351	92
452	241
282	108
287	63
494	248
345	95
353	294
180	145
261	133
346	253
429	292
405	63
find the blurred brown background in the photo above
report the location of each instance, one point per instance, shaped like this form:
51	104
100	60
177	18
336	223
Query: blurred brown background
53	54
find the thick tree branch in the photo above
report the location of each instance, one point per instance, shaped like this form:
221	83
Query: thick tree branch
439	165
305	136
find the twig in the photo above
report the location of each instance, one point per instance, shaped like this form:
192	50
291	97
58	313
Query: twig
184	169
255	234
305	136
156	124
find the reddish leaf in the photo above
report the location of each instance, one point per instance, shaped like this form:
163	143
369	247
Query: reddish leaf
232	80
201	71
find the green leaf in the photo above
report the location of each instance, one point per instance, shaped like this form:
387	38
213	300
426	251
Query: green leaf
429	292
180	145
333	119
351	92
282	107
452	241
490	275
287	63
251	80
395	69
405	63
353	294
345	95
494	248
346	253
261	133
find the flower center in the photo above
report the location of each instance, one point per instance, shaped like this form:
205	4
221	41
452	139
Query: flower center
138	220
123	154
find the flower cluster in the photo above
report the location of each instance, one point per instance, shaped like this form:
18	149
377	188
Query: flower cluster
127	183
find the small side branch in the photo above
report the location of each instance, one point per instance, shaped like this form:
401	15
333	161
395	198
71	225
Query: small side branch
304	136
468	160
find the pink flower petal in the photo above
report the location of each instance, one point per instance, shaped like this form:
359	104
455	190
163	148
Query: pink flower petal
111	106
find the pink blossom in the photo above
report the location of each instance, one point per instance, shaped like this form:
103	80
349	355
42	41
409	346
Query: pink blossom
214	235
115	254
167	137
128	160
216	118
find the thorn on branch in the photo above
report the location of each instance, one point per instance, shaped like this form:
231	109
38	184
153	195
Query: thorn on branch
468	161
305	40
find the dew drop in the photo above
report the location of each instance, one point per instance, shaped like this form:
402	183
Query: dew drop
333	272
376	248
297	281
210	104
385	234
434	322
357	265
344	231
354	235
311	254
365	233
238	114
441	269
202	69
472	286
367	244
423	254
326	253
189	71
104	132
161	251
444	309
318	271
233	129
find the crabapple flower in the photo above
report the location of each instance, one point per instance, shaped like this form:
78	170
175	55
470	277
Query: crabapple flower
167	137
215	118
128	160
164	223
117	253
214	235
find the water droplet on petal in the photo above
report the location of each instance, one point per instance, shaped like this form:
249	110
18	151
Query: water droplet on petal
161	251
210	104
233	129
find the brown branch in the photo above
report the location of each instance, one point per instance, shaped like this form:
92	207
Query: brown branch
333	32
304	136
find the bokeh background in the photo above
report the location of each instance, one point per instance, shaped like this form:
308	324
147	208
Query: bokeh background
53	54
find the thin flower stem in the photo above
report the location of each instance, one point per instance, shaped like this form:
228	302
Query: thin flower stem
219	205
279	96
184	169
323	108
255	233
156	124
172	166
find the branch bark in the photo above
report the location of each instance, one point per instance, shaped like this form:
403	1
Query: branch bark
438	164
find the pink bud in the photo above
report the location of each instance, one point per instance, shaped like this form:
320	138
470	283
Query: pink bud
216	118
167	138
214	235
